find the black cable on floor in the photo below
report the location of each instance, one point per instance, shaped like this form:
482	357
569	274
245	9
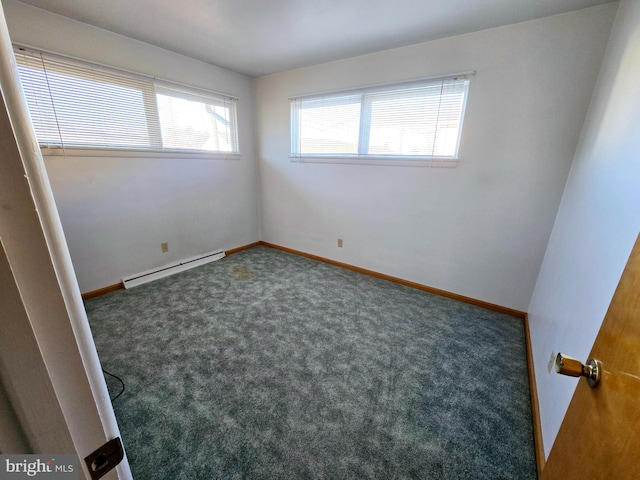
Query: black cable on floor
121	382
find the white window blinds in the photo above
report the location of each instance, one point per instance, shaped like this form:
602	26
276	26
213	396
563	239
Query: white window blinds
77	104
419	120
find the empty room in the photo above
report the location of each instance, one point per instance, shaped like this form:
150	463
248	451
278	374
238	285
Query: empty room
320	240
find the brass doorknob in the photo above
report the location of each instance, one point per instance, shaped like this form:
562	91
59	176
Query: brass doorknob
572	367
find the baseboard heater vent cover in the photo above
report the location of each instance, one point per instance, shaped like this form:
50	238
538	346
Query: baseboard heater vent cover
170	269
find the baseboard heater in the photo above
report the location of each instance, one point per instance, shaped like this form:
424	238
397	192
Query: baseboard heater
170	269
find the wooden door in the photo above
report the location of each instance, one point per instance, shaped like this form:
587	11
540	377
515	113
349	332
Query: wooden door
600	435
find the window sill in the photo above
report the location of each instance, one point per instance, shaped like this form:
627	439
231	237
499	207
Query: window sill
382	160
134	153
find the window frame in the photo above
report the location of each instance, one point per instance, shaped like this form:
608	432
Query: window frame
155	86
368	95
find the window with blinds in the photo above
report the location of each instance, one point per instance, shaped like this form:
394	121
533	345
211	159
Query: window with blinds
77	104
416	120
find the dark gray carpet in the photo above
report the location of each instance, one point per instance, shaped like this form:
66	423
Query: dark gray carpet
266	365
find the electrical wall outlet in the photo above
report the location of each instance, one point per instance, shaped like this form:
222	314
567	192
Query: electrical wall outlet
165	247
552	360
340	243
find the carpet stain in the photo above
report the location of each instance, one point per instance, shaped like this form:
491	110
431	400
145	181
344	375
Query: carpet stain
241	272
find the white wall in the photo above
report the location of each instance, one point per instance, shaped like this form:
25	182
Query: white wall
597	223
479	229
116	211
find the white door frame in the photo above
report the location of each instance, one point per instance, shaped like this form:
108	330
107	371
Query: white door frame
38	257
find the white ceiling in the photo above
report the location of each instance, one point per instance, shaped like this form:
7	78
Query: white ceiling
257	37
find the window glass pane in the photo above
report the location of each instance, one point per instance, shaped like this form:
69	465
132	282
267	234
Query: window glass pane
187	123
39	102
400	125
415	122
96	118
73	105
329	127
